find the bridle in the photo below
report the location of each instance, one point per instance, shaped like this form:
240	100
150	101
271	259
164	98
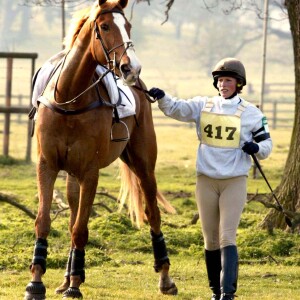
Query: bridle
111	63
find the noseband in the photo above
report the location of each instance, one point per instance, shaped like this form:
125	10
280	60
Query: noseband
111	63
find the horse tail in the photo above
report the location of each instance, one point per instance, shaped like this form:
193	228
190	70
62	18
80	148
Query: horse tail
131	189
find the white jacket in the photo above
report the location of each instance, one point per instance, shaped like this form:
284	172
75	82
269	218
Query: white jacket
222	163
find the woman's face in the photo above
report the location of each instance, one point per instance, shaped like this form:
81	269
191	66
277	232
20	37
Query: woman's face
226	86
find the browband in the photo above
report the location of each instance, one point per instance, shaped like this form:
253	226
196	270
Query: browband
114	10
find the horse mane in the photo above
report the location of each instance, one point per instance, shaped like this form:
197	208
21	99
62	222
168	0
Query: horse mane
80	18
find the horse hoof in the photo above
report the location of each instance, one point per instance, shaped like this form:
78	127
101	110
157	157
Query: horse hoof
171	290
35	291
63	287
72	292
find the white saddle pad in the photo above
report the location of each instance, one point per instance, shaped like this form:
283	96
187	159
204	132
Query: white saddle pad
114	89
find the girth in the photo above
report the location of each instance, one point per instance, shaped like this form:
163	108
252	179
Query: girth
63	111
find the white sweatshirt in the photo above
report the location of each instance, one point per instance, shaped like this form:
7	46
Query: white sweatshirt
216	162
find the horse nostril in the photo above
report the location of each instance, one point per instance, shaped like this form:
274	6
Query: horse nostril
125	69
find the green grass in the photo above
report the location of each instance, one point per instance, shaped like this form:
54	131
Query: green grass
119	257
132	277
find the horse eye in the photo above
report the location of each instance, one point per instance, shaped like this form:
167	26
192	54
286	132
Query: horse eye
104	27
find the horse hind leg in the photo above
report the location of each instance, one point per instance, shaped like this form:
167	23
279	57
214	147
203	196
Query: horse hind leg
148	186
73	200
162	265
161	259
66	282
80	233
77	274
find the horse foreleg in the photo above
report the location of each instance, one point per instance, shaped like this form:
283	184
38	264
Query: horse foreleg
46	178
80	235
73	200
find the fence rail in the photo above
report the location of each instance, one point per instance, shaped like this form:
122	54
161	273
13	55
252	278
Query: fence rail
280	114
15	110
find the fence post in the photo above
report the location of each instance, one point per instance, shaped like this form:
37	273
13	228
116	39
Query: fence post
274	125
29	126
20	101
8	104
10	56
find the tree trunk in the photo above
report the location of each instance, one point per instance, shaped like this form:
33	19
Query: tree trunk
289	188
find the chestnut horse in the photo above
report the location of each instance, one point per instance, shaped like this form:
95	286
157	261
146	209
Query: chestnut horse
74	128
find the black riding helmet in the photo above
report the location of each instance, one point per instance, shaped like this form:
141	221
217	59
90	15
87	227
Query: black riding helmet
230	67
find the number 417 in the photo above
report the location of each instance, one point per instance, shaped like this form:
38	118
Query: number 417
229	131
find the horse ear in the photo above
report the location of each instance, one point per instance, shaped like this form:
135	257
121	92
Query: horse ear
102	2
123	3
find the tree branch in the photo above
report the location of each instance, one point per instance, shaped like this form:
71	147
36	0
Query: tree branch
169	5
12	201
295	216
57	199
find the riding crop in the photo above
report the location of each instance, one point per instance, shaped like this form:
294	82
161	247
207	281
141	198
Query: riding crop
287	219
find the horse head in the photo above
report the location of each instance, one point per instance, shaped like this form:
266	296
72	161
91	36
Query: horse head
112	40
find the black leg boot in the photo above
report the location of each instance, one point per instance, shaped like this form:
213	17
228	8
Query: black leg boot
213	267
229	258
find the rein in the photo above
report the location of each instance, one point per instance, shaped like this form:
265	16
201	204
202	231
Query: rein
83	92
106	52
146	92
57	106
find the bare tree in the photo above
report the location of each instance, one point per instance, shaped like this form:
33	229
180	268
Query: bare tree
8	16
62	4
289	188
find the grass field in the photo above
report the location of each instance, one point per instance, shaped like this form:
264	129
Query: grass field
119	258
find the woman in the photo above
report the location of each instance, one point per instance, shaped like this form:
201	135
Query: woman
230	129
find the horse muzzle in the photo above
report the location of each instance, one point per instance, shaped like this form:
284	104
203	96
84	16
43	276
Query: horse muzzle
130	73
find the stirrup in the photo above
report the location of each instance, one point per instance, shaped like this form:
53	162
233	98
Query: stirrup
122	139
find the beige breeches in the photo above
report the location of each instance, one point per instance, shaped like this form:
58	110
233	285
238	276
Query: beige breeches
220	203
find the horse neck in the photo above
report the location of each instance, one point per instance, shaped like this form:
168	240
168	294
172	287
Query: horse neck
78	69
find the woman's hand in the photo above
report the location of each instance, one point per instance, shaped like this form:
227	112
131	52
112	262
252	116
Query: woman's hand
250	148
156	93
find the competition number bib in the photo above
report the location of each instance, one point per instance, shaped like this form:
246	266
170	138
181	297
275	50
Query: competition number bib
220	130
